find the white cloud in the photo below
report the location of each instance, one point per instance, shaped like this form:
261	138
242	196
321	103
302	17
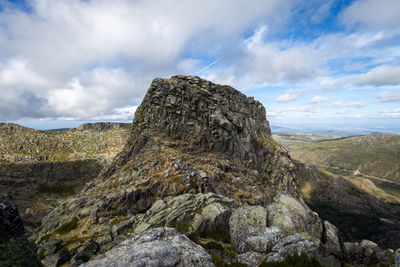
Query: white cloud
188	66
341	104
394	113
373	13
85	59
386	97
317	99
16	73
260	63
379	76
94	93
287	98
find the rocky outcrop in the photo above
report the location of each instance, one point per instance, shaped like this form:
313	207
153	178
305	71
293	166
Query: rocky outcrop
200	159
155	247
208	118
15	250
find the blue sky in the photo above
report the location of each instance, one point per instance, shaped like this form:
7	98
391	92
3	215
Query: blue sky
313	62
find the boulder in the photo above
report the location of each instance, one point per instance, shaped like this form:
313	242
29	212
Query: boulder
264	241
87	251
15	250
332	240
291	245
57	259
245	222
249	232
292	216
156	247
251	258
10	220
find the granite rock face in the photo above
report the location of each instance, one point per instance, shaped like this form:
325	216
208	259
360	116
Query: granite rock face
210	118
156	247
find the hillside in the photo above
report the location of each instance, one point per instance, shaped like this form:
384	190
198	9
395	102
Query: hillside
39	168
359	208
375	154
97	141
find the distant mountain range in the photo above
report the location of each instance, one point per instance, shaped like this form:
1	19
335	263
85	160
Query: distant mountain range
343	130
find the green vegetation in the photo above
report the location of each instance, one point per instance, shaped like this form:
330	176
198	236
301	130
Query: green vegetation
294	261
375	154
18	252
218	261
68	226
59	189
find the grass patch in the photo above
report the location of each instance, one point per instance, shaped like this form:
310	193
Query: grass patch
44	238
68	226
294	261
218	261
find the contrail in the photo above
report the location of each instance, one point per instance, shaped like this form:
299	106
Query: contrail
209	65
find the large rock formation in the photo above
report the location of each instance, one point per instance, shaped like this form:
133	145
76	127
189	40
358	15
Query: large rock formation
198	156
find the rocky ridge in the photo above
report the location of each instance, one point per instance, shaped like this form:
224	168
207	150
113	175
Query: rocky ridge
200	158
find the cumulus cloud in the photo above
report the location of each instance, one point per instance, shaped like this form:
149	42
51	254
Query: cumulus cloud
373	13
341	104
317	99
287	98
387	97
16	73
94	93
259	63
379	76
394	113
85	59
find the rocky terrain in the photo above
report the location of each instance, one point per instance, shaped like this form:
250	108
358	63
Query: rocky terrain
199	182
38	168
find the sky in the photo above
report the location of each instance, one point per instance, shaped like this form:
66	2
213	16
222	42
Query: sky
314	62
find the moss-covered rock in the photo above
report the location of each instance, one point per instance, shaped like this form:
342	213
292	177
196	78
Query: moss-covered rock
292	216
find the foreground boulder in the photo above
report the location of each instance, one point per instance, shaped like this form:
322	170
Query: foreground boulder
156	247
15	250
